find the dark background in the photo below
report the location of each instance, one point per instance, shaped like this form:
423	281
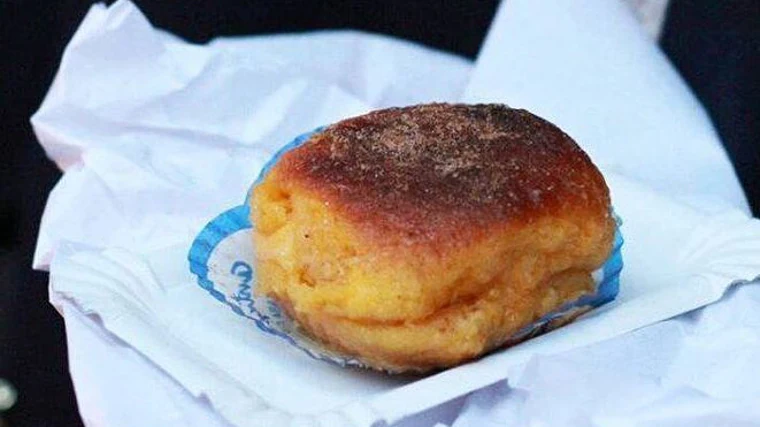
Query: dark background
714	44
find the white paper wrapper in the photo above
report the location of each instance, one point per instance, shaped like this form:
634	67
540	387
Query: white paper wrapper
157	137
222	253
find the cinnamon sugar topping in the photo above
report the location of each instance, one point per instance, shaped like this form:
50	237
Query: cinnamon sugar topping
428	170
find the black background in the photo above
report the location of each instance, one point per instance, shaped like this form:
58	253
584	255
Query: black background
715	45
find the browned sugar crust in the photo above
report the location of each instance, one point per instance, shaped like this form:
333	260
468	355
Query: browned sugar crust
443	173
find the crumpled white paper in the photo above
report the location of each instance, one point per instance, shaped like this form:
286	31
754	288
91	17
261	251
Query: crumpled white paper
157	136
697	369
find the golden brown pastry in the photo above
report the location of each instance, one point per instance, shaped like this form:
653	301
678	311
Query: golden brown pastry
422	237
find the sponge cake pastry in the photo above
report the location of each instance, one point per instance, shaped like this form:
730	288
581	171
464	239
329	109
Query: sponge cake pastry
425	236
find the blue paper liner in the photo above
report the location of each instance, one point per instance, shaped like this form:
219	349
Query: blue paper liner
221	257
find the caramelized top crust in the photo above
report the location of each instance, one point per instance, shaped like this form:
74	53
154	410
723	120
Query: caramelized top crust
444	174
